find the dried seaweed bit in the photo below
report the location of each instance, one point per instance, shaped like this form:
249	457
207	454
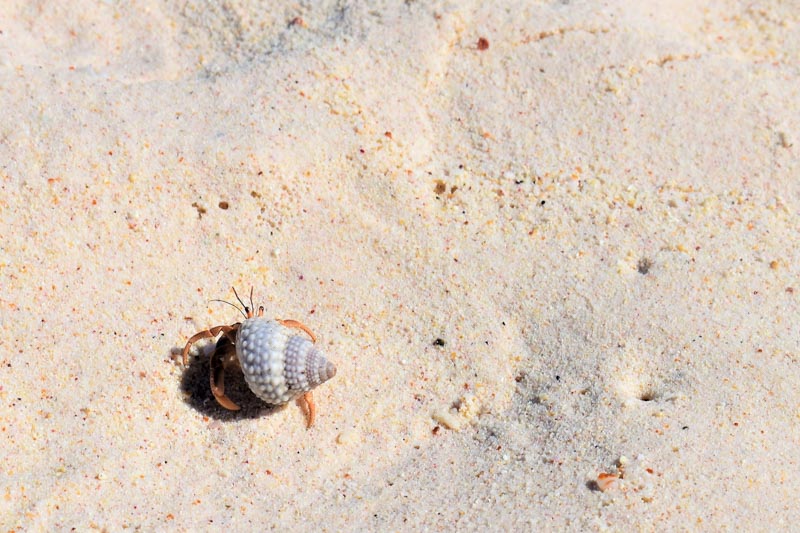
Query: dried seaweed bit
483	44
200	209
440	187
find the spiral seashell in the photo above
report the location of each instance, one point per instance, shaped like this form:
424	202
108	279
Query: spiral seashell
279	365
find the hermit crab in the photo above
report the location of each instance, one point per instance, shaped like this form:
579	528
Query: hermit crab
278	365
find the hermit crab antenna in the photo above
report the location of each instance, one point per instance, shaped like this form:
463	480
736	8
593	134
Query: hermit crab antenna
232	305
252	305
246	309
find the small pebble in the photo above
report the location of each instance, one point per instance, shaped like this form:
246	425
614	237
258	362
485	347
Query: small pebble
605	480
347	437
447	419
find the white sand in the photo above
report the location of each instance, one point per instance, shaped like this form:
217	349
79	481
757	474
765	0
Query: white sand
597	214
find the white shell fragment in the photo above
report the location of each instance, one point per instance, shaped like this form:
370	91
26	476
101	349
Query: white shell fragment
278	364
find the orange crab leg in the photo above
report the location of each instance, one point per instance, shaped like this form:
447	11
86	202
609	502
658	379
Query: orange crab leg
220	359
212	332
297	325
308	399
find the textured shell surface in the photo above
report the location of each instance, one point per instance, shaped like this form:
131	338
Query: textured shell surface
278	364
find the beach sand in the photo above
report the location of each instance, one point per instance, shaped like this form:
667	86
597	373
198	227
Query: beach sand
552	248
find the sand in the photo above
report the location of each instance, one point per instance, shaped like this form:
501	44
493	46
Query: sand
552	248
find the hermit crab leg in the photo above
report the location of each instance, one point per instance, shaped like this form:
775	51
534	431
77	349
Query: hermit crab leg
222	356
212	332
308	399
297	325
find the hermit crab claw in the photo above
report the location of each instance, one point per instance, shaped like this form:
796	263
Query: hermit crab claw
224	356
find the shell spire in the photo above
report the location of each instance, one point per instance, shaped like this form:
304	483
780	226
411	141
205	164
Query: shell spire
277	364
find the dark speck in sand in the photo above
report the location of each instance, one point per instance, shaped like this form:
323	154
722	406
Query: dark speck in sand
200	209
644	265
